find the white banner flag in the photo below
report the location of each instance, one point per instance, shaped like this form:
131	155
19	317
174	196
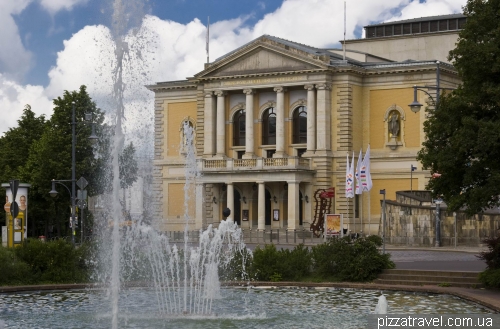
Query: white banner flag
358	171
349	178
366	177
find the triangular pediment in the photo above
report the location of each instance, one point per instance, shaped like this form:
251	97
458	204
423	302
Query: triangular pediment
263	56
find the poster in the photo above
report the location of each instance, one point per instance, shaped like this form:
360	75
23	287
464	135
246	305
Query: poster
333	224
21	221
276	215
245	214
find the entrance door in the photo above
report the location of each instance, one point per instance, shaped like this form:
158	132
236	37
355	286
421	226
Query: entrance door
237	207
268	208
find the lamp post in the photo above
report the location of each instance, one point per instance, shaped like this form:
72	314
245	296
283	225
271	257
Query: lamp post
416	105
438	221
383	221
93	137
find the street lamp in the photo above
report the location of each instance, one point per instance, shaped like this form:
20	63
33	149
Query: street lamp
93	137
416	105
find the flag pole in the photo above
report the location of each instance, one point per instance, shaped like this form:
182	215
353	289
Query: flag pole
208	38
344	28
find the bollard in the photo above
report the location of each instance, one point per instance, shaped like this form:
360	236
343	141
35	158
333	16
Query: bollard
294	236
286	236
312	234
271	236
304	236
250	235
278	231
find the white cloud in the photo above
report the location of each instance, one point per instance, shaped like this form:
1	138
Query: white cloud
166	50
15	60
13	98
53	6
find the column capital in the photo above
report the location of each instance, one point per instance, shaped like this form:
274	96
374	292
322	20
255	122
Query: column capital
229	183
309	87
209	94
260	182
324	86
293	182
220	93
279	89
249	91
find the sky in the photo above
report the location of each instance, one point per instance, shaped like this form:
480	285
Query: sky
49	46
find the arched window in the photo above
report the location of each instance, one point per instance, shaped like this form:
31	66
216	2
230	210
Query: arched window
300	125
239	128
269	127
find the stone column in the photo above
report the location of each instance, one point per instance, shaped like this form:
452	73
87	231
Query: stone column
249	140
323	133
221	123
293	205
311	119
200	223
230	199
280	122
209	132
261	207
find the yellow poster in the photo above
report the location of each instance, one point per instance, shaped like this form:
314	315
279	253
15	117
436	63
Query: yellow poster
333	223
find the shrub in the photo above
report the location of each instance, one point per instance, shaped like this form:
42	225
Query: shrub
12	270
54	261
266	263
490	278
358	260
492	256
277	265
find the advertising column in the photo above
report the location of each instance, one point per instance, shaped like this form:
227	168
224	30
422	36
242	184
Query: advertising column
16	227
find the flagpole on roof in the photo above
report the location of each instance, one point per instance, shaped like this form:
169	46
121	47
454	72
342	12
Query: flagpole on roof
344	28
208	38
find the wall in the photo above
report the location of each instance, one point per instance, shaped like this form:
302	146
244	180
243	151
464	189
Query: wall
411	221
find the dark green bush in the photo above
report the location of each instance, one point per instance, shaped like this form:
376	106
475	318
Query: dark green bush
492	256
54	261
490	278
270	264
12	270
350	260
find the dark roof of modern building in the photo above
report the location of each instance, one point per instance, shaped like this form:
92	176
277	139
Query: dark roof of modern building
420	19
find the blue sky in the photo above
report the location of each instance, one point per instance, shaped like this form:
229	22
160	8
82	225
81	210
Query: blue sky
49	46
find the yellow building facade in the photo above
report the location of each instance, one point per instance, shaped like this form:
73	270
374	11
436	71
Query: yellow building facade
274	120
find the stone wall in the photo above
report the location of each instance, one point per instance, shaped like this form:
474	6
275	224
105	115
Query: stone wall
411	221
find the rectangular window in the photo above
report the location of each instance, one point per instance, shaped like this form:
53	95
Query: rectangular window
397	29
452	24
300	152
407	28
388	30
269	153
415	28
240	154
434	26
380	31
370	32
424	27
443	25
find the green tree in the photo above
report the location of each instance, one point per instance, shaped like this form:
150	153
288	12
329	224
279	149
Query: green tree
463	132
15	146
50	157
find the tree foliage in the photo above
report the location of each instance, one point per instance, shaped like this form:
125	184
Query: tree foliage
463	132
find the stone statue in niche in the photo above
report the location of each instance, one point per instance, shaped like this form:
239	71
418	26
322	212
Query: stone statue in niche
394	125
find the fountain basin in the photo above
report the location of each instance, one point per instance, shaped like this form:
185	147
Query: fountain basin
244	307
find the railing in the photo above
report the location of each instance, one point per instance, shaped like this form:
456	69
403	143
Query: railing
215	164
254	236
245	162
254	164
